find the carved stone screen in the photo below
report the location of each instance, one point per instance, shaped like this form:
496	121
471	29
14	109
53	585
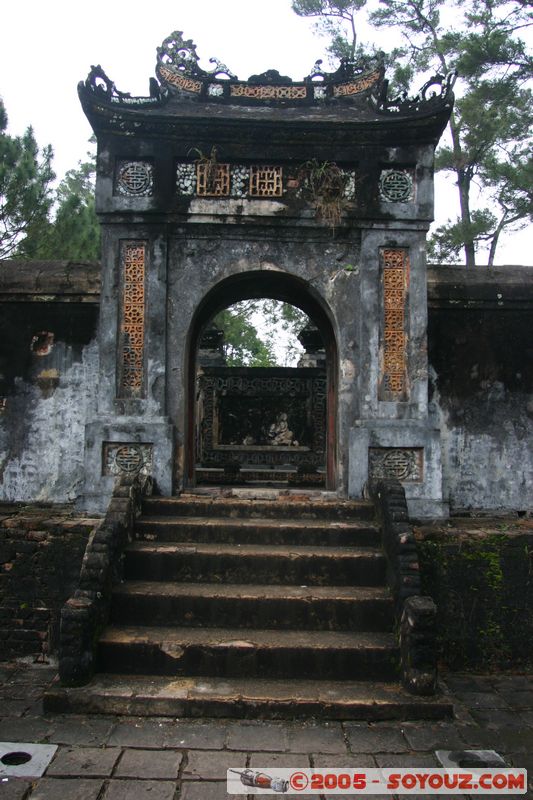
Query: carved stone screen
261	418
131	362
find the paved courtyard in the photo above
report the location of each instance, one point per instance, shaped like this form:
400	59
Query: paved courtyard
119	758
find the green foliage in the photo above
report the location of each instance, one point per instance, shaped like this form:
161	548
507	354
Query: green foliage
25	186
336	20
491	125
483	591
244	344
490	129
74	233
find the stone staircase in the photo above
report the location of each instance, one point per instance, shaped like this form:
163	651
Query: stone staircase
251	608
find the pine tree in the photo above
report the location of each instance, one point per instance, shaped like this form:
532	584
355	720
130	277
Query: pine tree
25	187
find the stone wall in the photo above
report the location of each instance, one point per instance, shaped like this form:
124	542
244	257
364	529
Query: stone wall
481	377
481	357
480	574
41	550
48	377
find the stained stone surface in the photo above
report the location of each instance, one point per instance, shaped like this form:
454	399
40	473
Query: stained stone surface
197	752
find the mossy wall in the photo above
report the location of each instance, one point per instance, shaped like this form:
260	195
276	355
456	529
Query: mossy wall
481	578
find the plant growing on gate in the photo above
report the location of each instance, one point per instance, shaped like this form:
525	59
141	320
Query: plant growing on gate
210	164
324	183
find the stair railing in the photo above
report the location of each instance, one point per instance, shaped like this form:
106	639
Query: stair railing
86	613
415	614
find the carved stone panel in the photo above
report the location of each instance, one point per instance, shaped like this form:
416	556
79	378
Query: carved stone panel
134	179
396	186
127	459
403	463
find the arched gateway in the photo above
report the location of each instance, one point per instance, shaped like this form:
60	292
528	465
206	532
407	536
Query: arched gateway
319	192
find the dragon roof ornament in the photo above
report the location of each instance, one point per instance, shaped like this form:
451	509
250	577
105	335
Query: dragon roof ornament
180	75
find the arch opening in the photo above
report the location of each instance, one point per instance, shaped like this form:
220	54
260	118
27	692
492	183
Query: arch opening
262	425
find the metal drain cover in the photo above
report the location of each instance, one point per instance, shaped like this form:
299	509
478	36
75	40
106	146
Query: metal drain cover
25	759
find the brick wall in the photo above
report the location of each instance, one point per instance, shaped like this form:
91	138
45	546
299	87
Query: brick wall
41	550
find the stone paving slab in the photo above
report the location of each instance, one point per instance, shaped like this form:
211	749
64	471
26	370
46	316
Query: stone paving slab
376	738
93	731
94	762
14	789
150	758
214	790
66	789
257	736
140	790
212	766
149	764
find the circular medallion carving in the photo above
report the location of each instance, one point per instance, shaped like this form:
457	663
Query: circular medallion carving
396	185
129	459
135	178
398	464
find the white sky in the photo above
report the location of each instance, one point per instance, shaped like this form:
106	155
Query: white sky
47	46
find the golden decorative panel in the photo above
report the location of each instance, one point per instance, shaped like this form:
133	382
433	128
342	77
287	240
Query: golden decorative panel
266	181
395	271
354	87
187	84
212	180
132	260
269	92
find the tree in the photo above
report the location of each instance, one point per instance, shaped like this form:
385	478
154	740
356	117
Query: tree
335	18
491	123
74	233
242	345
25	186
489	130
250	328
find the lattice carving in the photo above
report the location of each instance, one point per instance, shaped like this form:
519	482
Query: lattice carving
395	266
396	185
133	256
403	463
212	179
356	86
269	92
266	181
134	179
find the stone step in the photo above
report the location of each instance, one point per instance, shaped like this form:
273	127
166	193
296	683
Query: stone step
244	698
257	531
246	563
283	507
234	652
210	605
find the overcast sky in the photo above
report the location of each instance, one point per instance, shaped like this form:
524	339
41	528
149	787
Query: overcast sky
47	46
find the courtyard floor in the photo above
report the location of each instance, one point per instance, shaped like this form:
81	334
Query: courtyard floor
121	758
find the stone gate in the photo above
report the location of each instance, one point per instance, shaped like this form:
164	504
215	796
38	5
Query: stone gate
317	192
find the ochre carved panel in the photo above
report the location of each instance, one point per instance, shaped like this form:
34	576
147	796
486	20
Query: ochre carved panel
212	180
395	272
354	87
269	92
132	259
266	181
180	81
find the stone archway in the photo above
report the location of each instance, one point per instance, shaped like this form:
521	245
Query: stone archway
285	287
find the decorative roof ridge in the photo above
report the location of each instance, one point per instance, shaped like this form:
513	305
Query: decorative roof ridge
180	75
